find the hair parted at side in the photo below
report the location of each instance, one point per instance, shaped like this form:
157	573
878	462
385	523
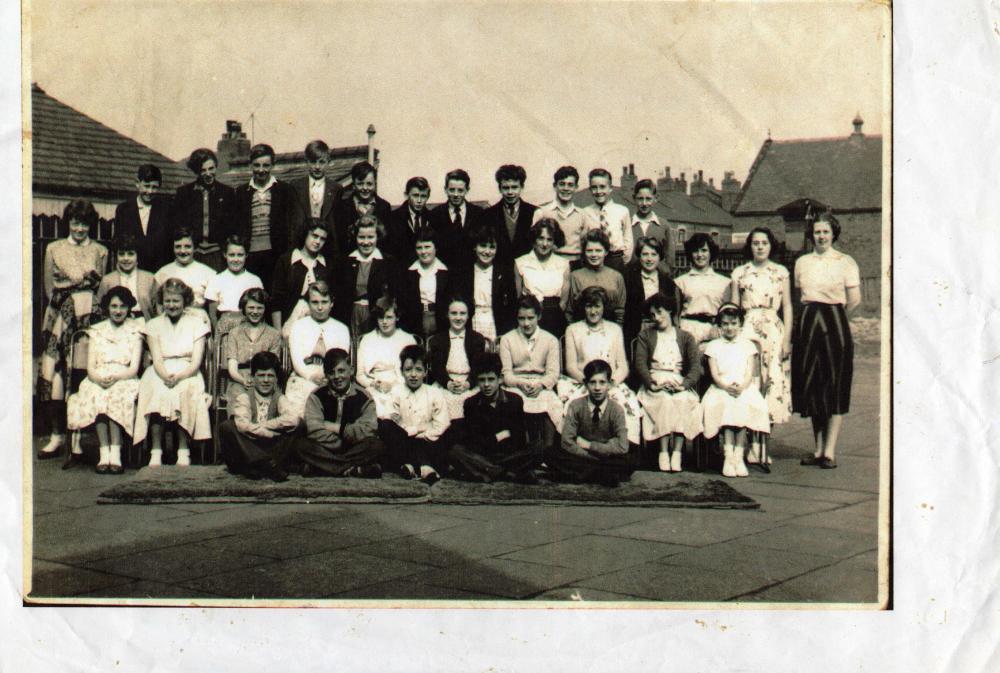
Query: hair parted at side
257	294
148	173
459	174
593	295
828	217
595	367
198	159
529	301
334	357
599	173
81	210
362	170
383	305
121	293
550	225
654	244
368	222
317	149
564	172
418	182
597	236
645	183
178	287
320	287
261	150
697	242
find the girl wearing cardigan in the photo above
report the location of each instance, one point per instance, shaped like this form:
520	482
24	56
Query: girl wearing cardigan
451	353
669	365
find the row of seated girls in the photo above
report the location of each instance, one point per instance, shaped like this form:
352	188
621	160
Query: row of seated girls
367	307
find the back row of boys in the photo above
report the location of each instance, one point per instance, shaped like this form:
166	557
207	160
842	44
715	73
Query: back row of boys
270	213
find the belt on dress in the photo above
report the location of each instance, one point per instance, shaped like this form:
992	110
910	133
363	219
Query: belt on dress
699	317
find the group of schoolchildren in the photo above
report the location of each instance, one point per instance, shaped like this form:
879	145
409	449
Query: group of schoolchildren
481	344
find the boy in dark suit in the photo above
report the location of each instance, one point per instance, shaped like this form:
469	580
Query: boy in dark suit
262	214
511	216
146	221
315	195
455	220
594	446
491	443
206	207
405	221
362	199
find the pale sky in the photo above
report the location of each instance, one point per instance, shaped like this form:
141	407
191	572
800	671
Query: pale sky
472	85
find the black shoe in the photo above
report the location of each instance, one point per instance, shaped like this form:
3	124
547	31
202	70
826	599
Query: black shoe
609	480
431	478
72	459
102	468
275	473
810	461
406	471
47	455
828	464
116	469
371	471
307	470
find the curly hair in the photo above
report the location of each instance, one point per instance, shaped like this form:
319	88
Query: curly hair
699	241
550	225
121	293
80	210
368	221
748	247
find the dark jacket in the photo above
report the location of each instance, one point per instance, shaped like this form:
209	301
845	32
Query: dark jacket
301	210
507	248
400	238
635	299
483	422
282	202
645	346
345	215
439	347
186	211
287	283
454	245
408	298
504	293
345	276
155	248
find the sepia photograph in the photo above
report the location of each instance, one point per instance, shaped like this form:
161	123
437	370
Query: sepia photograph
457	304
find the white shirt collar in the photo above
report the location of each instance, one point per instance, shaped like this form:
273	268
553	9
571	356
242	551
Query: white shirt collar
377	254
313	181
488	271
142	204
130	274
652	219
84	244
438	265
270	182
297	256
602	406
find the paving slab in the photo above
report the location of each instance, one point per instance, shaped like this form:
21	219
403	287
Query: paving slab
593	518
522	532
441	548
384	525
695	529
577	594
315	576
838	544
283	543
782	489
504	578
838	519
840	583
596	553
792	507
767	565
661	582
57	579
404	590
147	589
175	564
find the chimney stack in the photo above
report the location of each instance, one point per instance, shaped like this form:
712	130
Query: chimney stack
682	183
665	183
371	144
628	180
233	146
730	191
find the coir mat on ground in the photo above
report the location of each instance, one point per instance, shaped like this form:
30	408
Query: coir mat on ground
165	485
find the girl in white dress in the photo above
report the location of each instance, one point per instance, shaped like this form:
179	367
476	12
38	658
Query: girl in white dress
172	390
309	340
193	273
595	338
545	275
733	403
379	371
107	396
225	289
669	365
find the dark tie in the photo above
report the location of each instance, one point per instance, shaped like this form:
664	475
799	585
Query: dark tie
458	218
596	417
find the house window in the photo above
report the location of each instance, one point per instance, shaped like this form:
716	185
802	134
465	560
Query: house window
681	235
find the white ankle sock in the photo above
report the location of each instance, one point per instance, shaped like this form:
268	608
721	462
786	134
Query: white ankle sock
115	455
183	457
105	456
155	457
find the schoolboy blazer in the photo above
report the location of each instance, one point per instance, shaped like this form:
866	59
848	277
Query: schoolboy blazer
302	210
186	211
454	245
400	238
345	215
155	248
512	248
282	202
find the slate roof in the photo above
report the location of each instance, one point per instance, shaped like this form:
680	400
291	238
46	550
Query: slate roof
74	154
677	207
292	165
843	173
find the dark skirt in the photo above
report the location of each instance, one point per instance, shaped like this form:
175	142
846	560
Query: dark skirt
553	319
822	361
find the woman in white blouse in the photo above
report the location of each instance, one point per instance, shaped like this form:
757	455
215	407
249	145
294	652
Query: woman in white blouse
703	290
823	353
294	272
545	275
309	340
379	370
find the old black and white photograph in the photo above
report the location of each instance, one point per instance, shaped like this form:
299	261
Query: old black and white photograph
457	304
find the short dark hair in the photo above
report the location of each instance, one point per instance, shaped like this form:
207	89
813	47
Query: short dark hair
595	367
120	292
414	353
149	173
550	225
511	172
369	221
265	361
461	300
257	294
661	301
591	296
182	232
80	210
649	242
458	174
320	287
596	236
126	243
487	362
383	305
600	173
529	301
483	235
729	311
235	239
175	286
827	217
417	182
334	357
697	242
362	170
310	225
425	234
317	149
645	183
261	150
564	172
748	249
198	159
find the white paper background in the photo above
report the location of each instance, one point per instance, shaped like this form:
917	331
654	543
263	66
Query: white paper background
947	358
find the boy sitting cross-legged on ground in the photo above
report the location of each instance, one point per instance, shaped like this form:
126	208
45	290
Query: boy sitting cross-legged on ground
341	426
492	443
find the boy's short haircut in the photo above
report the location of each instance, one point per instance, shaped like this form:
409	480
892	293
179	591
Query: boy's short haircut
362	170
234	239
425	234
334	357
565	172
595	367
265	361
413	353
198	159
645	183
261	150
729	311
149	173
317	149
384	304
127	243
511	172
659	301
418	182
457	174
599	173
530	301
181	233
486	363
